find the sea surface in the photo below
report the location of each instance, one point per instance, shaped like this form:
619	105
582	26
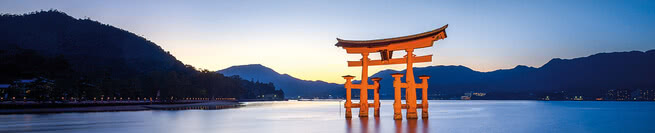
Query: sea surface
328	117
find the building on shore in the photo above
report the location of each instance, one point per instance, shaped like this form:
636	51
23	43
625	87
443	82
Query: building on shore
630	95
4	91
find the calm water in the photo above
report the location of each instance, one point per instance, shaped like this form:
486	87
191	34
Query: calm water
293	116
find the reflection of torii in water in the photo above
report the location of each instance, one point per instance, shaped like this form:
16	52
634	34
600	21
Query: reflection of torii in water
386	48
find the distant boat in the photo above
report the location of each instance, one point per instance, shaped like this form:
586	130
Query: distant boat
465	98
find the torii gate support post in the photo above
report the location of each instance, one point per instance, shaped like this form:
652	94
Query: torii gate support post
376	96
424	95
348	103
397	105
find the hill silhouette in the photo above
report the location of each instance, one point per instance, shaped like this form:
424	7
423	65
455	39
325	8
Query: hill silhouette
590	76
85	58
88	45
293	87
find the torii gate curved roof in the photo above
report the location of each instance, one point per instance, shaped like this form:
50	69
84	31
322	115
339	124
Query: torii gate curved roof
388	41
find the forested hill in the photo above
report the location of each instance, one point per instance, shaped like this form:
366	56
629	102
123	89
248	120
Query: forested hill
88	45
87	58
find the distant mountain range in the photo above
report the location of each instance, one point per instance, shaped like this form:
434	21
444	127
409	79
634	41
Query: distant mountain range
292	87
590	76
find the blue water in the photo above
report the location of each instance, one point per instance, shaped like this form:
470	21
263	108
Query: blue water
301	117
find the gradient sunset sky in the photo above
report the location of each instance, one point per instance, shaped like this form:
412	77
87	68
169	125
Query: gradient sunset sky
298	37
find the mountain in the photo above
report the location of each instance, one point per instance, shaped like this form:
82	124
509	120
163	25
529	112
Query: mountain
88	45
85	59
590	76
292	87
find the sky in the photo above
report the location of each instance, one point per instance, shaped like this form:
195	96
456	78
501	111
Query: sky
298	37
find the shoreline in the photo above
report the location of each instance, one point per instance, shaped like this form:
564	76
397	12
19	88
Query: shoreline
117	108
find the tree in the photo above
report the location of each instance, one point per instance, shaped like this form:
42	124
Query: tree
41	89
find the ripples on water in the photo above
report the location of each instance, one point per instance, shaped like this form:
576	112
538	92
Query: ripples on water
307	116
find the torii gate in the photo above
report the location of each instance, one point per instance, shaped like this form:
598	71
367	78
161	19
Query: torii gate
386	47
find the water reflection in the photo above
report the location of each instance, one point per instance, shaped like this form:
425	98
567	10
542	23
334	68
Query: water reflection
324	117
410	126
364	124
425	125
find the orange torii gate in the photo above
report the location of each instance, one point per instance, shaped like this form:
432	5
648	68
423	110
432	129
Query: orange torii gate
386	47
